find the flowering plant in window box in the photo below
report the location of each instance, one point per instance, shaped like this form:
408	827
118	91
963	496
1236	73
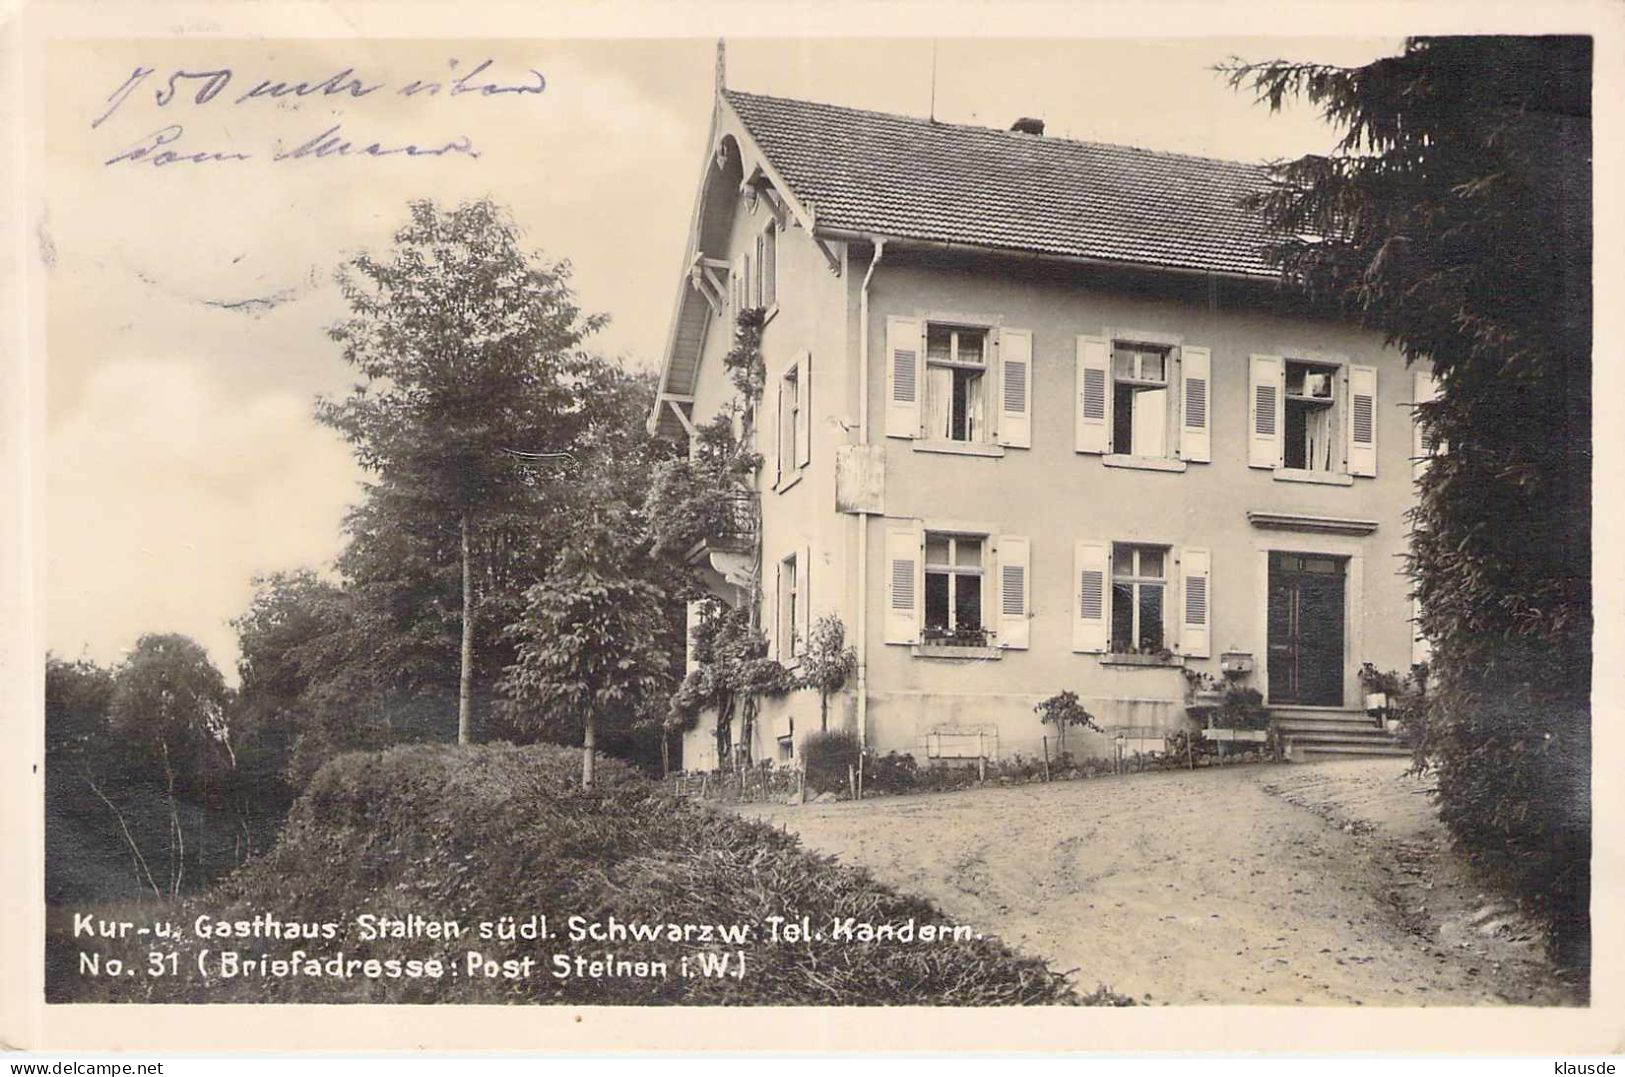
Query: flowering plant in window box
955	637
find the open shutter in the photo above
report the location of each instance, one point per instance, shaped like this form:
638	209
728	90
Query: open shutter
1093	416
1195	627
1362	420
803	596
1015	591
1424	390
903	355
736	289
1089	592
1195	437
778	431
1015	388
775	615
904	568
1264	391
804	410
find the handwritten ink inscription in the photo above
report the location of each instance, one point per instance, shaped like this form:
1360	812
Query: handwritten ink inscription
197	89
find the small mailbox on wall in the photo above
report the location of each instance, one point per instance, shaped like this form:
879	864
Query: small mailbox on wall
1236	662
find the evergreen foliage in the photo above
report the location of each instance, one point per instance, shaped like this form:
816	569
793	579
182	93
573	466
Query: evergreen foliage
1455	218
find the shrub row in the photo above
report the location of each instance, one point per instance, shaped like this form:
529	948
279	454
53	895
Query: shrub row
477	833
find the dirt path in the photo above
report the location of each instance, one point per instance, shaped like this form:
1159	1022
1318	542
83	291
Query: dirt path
1323	884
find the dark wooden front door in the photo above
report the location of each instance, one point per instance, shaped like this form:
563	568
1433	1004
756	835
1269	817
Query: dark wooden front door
1306	629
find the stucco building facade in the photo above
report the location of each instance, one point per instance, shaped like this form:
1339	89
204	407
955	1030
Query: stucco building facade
1038	417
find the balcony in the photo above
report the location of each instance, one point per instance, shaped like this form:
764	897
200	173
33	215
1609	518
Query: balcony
726	553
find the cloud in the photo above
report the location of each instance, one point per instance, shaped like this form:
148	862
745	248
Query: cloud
167	491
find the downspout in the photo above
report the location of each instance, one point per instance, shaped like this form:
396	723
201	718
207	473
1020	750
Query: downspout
862	642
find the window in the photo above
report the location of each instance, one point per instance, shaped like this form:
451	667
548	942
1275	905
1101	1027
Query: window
956	383
1139	587
953	590
1312	420
789	608
1140	399
787	743
1141	403
767	267
1310	424
790	420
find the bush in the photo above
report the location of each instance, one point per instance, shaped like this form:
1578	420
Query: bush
1243	708
890	773
474	834
826	757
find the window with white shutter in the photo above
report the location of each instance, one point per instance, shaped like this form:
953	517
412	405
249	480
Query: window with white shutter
1195	429
1015	588
904	344
1015	388
1362	451
1092	419
904	549
1424	390
1264	391
1195	629
1089	582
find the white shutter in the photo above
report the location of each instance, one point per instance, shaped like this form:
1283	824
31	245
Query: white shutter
1196	603
803	594
1362	420
775	616
904	581
1090	592
1424	390
778	431
1092	413
1015	388
1266	374
1196	423
1015	591
804	409
904	357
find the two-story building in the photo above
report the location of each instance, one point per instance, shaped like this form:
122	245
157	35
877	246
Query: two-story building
1038	417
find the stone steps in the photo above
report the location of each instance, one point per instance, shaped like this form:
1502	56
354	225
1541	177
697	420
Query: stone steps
1309	735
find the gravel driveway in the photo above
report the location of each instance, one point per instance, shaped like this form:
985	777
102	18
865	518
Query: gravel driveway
1330	883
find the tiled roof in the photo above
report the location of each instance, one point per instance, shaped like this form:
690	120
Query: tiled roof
918	179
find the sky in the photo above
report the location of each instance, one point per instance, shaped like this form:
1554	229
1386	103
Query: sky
187	302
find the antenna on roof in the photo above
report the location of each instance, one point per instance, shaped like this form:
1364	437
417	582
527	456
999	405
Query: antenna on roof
722	65
933	113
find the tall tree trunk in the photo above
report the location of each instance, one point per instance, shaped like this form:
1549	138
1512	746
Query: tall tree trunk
589	736
129	839
177	844
465	676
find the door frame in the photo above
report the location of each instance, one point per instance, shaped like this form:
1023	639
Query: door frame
1353	605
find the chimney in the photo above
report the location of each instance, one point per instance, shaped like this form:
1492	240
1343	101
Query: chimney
1028	125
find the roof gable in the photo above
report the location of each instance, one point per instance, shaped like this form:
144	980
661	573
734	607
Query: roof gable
908	178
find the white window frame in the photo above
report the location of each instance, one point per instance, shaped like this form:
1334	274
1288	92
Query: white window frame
955	572
1139	383
767	269
1337	407
789	613
1136	579
789	434
987	366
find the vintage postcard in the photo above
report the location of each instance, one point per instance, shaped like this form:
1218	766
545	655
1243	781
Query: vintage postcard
988	529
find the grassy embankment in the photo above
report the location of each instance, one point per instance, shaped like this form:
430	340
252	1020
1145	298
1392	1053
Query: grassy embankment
476	834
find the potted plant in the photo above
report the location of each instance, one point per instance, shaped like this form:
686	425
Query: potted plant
1203	689
1379	686
1241	717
